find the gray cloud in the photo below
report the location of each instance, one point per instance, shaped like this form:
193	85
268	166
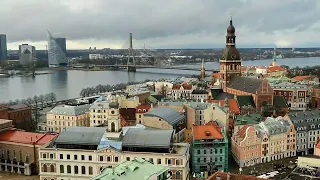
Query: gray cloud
162	23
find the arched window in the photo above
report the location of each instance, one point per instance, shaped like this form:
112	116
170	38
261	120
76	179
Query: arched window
61	169
83	170
45	168
178	175
90	170
51	168
76	170
69	169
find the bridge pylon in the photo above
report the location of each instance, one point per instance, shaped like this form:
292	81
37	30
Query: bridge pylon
131	66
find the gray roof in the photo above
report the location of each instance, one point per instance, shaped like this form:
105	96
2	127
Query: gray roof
224	96
70	110
18	106
168	114
273	126
245	84
307	120
81	135
147	138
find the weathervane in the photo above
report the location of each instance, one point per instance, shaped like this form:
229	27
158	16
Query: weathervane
231	12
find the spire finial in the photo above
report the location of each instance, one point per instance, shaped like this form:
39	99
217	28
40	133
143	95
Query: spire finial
231	12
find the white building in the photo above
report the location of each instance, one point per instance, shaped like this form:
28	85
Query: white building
26	54
96	56
80	153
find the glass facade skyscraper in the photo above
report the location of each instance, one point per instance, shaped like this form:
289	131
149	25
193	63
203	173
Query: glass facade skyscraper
3	47
57	53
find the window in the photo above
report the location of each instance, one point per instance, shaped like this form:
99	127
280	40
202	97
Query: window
76	170
128	158
198	151
51	168
90	158
83	170
27	158
82	157
159	161
68	156
108	159
204	159
211	151
45	168
61	156
75	157
220	159
151	160
61	169
44	156
20	155
90	170
204	151
220	151
198	160
169	161
100	158
51	156
116	159
69	169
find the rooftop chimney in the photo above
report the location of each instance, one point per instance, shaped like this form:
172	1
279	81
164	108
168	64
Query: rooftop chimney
228	176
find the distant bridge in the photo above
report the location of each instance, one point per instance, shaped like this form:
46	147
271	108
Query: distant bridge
150	66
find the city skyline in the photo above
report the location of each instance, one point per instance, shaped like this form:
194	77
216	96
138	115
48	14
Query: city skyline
165	24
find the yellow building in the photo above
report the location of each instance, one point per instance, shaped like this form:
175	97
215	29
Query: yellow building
63	116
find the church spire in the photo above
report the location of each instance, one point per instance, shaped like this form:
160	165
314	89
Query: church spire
274	63
231	37
203	70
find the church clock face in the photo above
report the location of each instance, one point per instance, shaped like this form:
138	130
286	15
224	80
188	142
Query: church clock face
233	56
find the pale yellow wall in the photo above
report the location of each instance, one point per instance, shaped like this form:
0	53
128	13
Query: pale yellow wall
96	164
308	161
56	122
156	122
215	113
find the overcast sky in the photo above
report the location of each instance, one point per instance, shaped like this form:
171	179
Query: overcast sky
161	23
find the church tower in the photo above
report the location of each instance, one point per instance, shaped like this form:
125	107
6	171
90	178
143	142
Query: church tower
114	122
274	62
203	70
230	61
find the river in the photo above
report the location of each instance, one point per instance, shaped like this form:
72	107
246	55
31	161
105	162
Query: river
68	84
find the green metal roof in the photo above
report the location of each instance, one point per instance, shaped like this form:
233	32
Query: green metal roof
131	170
248	119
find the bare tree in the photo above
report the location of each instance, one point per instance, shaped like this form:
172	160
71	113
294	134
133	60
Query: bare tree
29	101
41	100
24	101
52	97
10	103
36	100
17	101
83	93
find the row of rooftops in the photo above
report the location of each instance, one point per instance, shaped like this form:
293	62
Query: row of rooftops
132	137
305	120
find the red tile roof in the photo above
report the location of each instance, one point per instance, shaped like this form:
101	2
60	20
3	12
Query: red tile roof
233	105
123	121
300	78
142	107
275	68
224	176
184	85
242	131
216	75
207	131
19	136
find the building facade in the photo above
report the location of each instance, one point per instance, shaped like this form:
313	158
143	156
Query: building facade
3	47
209	148
26	54
246	146
296	95
63	116
19	151
73	156
307	126
57	55
20	115
182	91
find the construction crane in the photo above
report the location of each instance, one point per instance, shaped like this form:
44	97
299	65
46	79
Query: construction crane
46	48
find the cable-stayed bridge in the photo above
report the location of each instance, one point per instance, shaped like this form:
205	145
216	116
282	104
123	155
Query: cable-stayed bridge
159	59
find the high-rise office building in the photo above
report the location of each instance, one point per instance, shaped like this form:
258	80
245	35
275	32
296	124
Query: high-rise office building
3	47
57	51
25	54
